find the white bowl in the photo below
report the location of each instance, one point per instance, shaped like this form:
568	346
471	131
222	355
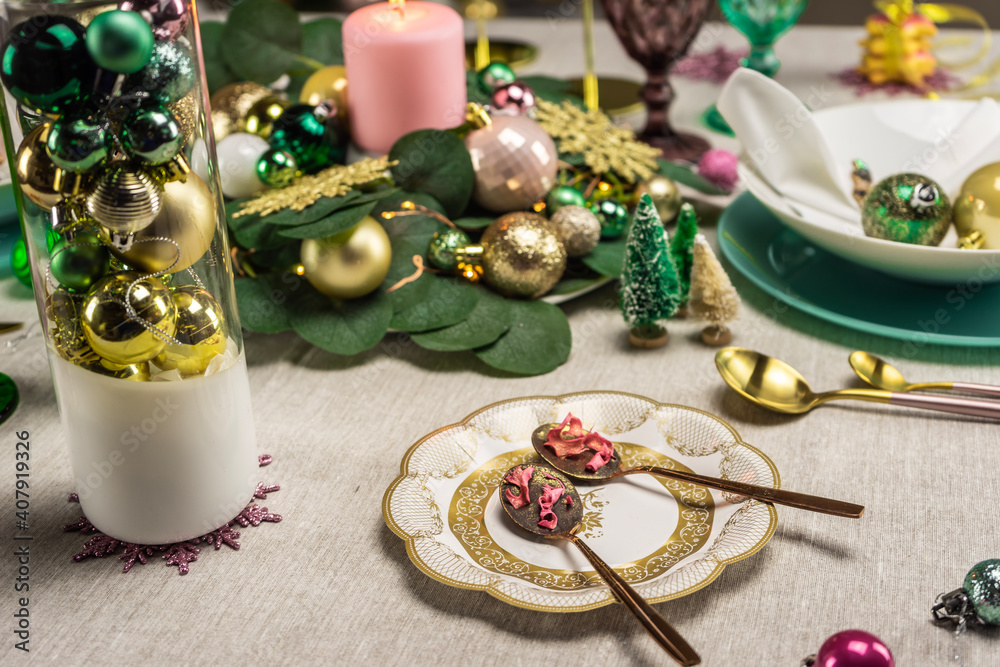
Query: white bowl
858	131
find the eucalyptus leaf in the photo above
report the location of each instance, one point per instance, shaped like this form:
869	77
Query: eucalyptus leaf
394	202
346	327
322	40
574	285
262	40
473	92
551	89
486	323
334	223
432	302
252	231
317	211
435	162
264	303
682	174
279	257
538	341
473	223
217	72
607	258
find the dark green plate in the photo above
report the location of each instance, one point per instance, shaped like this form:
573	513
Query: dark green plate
803	275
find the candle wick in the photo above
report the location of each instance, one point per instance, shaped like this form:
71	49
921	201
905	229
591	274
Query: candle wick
397	6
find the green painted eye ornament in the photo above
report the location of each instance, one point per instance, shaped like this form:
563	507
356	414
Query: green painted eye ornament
907	208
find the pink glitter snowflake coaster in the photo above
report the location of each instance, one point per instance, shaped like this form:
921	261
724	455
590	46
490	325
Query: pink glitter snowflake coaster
181	554
714	66
940	81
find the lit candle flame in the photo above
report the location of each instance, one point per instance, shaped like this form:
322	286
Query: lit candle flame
397	6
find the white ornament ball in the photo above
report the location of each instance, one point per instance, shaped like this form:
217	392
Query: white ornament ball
238	155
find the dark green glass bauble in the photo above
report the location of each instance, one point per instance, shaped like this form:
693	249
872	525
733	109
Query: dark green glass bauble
907	208
613	217
120	41
313	141
19	264
152	134
77	144
561	196
168	76
79	262
277	168
45	64
982	586
493	76
444	246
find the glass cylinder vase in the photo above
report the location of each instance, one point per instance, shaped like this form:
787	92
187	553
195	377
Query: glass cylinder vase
104	109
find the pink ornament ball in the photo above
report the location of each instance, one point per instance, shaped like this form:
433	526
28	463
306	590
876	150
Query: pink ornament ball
854	648
718	167
512	99
168	18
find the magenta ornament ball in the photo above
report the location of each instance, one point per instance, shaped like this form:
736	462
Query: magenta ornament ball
168	18
512	99
854	648
515	162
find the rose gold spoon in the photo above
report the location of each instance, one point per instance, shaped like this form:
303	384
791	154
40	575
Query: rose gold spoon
575	468
567	523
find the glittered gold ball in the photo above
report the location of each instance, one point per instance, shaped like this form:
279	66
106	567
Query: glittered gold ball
578	229
665	194
231	104
977	207
262	115
125	198
185	110
40	179
201	332
329	83
350	264
110	331
522	255
188	215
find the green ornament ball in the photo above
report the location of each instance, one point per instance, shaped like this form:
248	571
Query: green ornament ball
45	64
120	41
315	142
168	76
907	208
444	246
19	264
562	196
277	168
613	217
77	144
79	262
493	76
982	586
152	134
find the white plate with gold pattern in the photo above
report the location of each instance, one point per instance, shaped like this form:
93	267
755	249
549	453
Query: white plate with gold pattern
666	538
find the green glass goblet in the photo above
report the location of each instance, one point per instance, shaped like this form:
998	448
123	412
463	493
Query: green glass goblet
762	22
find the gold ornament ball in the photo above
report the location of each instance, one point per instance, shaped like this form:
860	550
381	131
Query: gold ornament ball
185	110
201	332
187	216
665	194
578	229
522	256
977	207
349	264
108	328
40	179
262	115
231	104
329	83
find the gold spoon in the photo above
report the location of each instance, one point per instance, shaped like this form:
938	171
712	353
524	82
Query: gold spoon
879	374
773	384
575	468
567	524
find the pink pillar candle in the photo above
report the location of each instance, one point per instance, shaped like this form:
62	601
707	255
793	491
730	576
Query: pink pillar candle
405	71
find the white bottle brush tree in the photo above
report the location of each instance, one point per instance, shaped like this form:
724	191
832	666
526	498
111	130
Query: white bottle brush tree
712	298
650	291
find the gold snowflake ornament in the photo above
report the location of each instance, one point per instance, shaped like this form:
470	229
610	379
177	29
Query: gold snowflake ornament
307	190
603	145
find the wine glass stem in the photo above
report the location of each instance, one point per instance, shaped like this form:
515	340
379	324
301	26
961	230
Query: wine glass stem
762	59
657	95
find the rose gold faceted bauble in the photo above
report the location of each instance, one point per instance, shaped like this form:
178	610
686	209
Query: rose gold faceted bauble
515	162
522	256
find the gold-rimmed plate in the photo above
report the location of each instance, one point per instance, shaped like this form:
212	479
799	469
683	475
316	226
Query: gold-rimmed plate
666	538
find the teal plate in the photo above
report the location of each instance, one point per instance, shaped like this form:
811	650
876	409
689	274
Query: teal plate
803	275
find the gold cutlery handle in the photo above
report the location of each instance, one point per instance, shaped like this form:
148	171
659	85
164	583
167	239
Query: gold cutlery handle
764	493
657	626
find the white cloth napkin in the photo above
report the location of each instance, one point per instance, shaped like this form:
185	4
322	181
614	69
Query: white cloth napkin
810	163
